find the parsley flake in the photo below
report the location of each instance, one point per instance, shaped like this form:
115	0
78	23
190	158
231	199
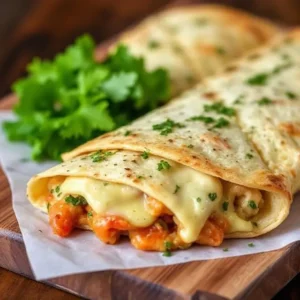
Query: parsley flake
57	189
100	156
163	165
264	101
145	155
90	214
220	109
127	133
167	126
258	79
152	44
198	199
225	249
252	204
168	247
48	206
249	156
75	201
225	206
177	188
204	119
212	196
220	123
190	146
251	245
290	95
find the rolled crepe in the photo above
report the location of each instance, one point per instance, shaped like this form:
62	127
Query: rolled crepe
195	41
221	160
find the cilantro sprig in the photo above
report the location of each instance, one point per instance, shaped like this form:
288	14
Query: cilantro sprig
73	98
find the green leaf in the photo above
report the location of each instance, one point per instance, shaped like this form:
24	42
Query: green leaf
119	86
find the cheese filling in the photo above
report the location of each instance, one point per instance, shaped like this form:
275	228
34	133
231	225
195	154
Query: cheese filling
197	197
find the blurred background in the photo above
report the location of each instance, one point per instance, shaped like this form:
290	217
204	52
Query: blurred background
31	28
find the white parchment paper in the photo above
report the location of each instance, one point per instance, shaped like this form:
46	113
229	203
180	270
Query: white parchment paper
51	256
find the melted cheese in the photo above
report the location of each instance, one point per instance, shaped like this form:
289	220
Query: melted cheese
191	204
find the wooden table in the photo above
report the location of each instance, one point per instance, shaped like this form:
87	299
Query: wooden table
42	28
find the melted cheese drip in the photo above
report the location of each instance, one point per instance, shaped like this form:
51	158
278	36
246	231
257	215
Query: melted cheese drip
191	204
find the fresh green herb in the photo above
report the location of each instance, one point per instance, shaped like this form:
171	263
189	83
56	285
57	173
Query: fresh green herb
163	165
249	156
252	204
100	156
264	101
127	133
290	95
225	249
262	78
220	50
258	79
75	201
74	98
204	119
140	177
57	189
59	194
198	199
168	247
145	155
220	109
166	127
221	122
177	188
225	206
251	245
90	214
153	44
212	196
190	146
48	207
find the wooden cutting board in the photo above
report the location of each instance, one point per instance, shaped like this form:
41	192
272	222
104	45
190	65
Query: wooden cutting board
258	276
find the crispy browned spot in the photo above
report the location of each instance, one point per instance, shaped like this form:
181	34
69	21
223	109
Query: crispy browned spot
216	141
210	95
290	128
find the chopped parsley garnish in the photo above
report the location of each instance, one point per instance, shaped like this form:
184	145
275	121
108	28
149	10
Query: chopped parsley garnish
198	199
204	119
225	206
90	214
153	44
290	95
252	204
190	146
212	196
75	201
262	78
220	109
57	189
225	249
220	50
145	155
140	177
168	247
258	79
100	156
127	132
221	122
48	206
163	165
167	127
249	155
82	97
264	101
251	245
177	188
